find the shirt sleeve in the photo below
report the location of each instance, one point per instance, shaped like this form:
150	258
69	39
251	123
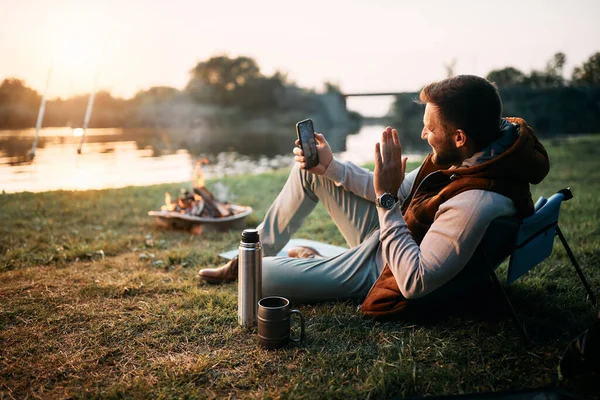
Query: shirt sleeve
359	180
449	244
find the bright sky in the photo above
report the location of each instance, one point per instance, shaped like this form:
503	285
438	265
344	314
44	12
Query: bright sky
365	46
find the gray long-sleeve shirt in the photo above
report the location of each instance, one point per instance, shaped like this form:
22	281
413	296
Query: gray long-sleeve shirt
457	229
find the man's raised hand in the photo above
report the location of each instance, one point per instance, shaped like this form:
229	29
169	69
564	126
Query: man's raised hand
389	164
324	151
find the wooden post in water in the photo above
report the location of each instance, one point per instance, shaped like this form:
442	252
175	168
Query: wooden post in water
88	111
41	111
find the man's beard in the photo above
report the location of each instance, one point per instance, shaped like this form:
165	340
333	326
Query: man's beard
447	156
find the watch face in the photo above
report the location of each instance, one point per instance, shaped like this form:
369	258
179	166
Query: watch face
387	201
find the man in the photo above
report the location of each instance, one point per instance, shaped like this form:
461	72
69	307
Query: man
410	236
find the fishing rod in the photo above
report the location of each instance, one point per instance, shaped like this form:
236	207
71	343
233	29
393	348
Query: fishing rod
41	111
88	111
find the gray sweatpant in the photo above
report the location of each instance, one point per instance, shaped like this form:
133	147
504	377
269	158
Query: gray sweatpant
349	275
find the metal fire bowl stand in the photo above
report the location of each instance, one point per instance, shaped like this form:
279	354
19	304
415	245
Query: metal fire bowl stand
176	220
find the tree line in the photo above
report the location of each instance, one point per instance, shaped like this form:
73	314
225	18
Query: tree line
551	76
221	90
227	92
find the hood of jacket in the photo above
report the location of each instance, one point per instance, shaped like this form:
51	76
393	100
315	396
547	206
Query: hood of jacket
515	155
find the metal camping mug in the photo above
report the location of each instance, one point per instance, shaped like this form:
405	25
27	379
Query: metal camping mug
274	316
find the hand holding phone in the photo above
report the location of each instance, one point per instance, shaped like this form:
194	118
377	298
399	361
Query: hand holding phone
306	136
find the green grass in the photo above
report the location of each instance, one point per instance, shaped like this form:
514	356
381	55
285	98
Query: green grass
86	309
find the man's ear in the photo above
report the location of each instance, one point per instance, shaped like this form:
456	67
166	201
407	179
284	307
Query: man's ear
460	138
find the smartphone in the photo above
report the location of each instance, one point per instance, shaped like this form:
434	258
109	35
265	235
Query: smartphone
306	136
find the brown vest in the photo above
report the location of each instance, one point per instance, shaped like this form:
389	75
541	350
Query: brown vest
434	185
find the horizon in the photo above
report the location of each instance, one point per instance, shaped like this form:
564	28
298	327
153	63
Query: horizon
140	44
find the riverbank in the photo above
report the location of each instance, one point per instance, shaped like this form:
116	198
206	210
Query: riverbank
116	158
97	300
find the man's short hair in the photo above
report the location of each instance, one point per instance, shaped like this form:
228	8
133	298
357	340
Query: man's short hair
467	102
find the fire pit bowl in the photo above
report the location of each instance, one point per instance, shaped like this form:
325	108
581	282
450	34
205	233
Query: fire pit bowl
177	220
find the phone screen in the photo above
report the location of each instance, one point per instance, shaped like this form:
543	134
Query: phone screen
307	138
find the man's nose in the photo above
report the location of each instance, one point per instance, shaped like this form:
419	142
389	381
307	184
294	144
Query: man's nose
424	134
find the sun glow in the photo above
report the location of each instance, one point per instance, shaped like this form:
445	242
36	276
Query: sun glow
78	132
76	53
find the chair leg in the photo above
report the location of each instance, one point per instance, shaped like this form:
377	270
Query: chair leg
507	302
576	265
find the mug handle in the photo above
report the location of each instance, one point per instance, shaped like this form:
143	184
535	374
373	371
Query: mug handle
297	340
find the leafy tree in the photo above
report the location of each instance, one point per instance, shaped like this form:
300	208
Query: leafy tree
331	87
156	94
19	104
542	79
13	90
551	76
235	82
506	77
556	64
334	89
407	115
589	72
260	93
220	78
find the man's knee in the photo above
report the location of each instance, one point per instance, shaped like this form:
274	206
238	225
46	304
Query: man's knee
305	177
309	180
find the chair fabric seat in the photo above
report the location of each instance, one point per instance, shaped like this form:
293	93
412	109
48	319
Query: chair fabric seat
535	238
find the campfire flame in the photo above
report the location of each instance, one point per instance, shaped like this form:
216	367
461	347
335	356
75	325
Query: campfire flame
199	179
200	201
169	205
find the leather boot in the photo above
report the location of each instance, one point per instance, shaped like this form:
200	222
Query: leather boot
303	252
226	273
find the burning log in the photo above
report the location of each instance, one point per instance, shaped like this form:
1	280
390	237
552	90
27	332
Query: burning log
198	208
200	202
214	206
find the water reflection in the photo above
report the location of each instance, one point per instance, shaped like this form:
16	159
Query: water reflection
14	151
360	148
58	166
114	158
124	157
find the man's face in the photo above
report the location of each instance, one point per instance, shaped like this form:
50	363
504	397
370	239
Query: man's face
439	138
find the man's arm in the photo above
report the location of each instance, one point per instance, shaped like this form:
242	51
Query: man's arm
458	227
348	175
360	180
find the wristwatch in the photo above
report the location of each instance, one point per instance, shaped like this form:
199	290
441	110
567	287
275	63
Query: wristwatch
387	201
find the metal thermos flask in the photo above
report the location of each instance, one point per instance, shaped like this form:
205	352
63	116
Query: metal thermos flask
249	277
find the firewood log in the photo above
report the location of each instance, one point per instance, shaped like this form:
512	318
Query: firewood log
211	204
198	208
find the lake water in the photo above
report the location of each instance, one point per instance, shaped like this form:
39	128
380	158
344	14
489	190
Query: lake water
114	158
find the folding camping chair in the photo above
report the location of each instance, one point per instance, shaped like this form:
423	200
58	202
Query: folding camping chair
527	242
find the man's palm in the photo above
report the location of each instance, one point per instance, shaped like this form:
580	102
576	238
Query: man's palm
389	164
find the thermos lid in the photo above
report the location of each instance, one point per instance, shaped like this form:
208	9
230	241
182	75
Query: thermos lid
250	236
